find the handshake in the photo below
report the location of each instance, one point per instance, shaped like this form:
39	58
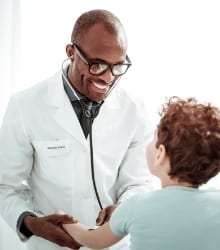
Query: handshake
63	229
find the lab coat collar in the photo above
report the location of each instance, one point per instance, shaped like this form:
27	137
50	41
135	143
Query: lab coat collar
64	115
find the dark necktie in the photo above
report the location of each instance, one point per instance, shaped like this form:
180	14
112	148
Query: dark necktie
86	118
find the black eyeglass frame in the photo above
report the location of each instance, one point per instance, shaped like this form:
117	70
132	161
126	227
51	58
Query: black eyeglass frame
91	62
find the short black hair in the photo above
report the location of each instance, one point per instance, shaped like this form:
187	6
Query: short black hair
88	19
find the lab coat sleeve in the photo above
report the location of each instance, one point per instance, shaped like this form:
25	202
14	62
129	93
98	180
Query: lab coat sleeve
16	164
134	175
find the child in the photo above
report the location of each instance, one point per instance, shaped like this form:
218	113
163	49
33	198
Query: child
184	154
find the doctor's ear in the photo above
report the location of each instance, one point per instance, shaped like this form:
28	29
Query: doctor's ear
70	51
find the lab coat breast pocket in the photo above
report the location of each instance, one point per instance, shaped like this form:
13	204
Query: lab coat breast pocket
52	160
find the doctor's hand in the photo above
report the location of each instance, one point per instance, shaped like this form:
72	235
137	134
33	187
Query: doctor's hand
105	214
49	227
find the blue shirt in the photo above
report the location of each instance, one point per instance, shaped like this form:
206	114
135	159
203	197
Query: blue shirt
173	218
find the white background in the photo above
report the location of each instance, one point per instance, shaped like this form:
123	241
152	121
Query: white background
174	46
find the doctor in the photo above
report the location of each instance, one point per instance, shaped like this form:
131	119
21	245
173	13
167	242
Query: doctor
67	144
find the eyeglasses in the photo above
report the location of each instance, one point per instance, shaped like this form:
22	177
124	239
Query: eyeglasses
99	67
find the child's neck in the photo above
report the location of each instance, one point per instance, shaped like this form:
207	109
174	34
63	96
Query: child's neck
173	182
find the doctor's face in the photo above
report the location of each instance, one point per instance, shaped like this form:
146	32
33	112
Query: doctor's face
98	61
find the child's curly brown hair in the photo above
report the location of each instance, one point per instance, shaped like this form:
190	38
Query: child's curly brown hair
190	132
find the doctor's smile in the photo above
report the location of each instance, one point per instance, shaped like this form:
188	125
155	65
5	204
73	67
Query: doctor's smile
101	87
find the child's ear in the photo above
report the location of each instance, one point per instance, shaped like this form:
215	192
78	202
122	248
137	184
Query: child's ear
161	154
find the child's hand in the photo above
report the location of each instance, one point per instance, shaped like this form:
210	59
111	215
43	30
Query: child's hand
60	212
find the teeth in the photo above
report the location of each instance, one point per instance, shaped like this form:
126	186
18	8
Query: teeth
99	86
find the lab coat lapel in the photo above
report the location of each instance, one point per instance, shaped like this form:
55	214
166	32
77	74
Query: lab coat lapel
64	115
108	114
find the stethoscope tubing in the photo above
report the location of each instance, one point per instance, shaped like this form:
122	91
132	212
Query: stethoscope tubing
87	112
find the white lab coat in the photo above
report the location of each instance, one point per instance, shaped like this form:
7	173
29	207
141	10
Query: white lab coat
41	141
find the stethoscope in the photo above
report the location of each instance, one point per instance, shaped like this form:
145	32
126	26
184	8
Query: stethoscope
88	113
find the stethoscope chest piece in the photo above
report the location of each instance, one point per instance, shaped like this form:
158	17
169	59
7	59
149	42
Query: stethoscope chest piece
88	113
